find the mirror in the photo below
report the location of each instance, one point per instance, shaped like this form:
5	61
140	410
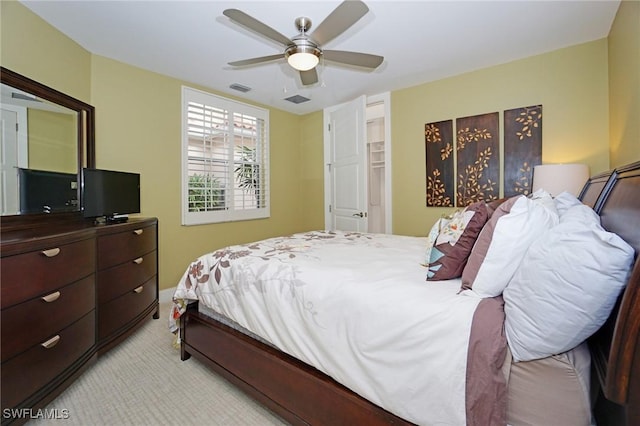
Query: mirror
47	138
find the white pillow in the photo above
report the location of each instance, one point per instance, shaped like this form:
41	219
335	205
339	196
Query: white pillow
564	201
503	243
544	198
583	214
566	286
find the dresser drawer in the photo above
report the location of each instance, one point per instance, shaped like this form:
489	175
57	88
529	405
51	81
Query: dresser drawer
123	246
116	281
28	275
120	311
31	322
30	371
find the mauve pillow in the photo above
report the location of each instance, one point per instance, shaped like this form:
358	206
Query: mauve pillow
456	239
503	242
494	204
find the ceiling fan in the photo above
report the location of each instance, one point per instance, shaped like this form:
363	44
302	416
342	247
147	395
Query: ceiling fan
303	52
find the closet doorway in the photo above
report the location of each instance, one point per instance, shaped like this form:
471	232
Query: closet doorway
357	153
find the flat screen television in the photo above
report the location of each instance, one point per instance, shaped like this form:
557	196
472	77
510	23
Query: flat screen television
43	191
110	194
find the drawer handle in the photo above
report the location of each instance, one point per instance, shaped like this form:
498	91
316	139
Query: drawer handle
138	260
51	252
138	231
51	342
138	289
51	297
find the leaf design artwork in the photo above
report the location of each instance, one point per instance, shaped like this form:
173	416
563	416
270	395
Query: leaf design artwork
530	119
221	263
436	191
470	185
522	184
465	136
322	235
277	251
432	133
446	151
195	272
355	236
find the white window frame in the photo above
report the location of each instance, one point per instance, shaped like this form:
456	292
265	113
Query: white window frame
231	213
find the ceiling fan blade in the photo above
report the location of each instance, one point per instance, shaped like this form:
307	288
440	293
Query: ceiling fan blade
258	60
338	21
252	23
353	58
309	77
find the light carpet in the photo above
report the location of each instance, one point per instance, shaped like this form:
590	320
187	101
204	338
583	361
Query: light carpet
142	381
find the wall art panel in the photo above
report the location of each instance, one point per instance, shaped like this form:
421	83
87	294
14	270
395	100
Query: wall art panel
478	158
522	148
438	139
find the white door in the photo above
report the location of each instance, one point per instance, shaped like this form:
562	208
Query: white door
9	201
346	166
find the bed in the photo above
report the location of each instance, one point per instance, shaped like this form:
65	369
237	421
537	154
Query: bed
261	348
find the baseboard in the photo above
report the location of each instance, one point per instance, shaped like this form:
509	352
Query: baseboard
166	295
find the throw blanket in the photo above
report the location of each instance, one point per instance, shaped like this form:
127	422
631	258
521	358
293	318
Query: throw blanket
357	307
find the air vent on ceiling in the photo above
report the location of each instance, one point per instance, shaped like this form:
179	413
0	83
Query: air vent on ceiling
297	99
240	87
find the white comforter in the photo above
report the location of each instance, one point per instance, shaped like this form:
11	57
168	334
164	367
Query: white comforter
355	306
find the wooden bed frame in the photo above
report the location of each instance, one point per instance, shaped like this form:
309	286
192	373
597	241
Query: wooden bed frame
300	394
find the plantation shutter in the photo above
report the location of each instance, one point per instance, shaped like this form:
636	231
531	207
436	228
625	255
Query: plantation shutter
225	160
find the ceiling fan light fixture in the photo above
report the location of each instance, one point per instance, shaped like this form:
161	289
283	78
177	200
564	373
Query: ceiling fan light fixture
304	56
303	61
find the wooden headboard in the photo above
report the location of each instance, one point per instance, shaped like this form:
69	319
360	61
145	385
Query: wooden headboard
615	348
594	187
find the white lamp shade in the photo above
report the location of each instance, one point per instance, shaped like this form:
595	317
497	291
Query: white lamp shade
303	61
556	178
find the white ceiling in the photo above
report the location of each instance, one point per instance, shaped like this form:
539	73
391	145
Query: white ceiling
421	41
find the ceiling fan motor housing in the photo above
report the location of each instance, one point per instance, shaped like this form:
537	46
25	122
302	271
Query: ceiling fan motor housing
303	24
302	44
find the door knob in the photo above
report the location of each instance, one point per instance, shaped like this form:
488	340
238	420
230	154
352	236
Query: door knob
358	214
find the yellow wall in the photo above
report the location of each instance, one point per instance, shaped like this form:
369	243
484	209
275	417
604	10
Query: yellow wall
35	49
624	85
571	85
311	179
52	140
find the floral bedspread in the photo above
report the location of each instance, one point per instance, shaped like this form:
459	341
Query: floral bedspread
354	305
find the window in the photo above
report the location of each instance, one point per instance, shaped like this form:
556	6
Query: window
225	159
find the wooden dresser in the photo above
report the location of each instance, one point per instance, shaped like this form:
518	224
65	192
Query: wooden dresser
70	292
127	278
